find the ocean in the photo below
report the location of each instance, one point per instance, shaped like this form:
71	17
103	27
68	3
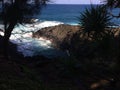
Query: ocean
51	15
68	13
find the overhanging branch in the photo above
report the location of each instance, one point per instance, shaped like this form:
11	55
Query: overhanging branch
116	16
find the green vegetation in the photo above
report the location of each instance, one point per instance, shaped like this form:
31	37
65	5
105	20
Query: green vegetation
14	12
96	46
93	63
112	3
94	21
16	76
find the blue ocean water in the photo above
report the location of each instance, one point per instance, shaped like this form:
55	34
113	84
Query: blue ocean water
51	15
67	13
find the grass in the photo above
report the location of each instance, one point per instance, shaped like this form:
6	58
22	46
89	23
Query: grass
24	80
71	73
59	74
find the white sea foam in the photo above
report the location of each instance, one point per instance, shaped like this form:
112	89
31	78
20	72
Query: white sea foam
22	36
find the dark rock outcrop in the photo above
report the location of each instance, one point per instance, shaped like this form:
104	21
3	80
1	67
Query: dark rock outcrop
72	38
60	35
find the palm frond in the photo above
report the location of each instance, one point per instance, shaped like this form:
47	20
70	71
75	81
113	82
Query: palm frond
94	19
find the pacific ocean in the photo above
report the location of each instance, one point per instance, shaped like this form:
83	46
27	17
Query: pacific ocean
68	13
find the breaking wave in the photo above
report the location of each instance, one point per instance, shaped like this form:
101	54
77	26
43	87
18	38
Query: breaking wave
29	46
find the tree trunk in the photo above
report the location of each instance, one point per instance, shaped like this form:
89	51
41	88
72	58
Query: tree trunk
7	35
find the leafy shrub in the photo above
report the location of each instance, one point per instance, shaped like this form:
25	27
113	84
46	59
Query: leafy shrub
95	39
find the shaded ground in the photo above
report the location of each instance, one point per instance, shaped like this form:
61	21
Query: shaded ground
32	73
37	74
40	73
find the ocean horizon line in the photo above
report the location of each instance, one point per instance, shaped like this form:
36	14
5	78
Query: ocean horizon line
71	4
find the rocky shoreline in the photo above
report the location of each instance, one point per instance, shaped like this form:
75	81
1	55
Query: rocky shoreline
60	35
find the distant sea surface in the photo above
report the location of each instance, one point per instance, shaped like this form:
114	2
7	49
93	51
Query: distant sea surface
67	13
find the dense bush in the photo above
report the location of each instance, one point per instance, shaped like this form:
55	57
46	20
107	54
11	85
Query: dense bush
96	41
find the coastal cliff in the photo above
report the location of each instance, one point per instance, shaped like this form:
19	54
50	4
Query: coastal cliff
60	35
68	37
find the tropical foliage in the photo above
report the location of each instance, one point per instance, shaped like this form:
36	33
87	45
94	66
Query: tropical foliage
13	12
94	21
112	3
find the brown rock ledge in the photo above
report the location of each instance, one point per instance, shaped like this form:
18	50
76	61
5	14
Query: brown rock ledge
60	34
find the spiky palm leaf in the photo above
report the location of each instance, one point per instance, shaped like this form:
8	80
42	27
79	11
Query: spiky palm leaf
94	20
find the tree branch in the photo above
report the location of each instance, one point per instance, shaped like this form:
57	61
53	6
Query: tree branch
116	16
